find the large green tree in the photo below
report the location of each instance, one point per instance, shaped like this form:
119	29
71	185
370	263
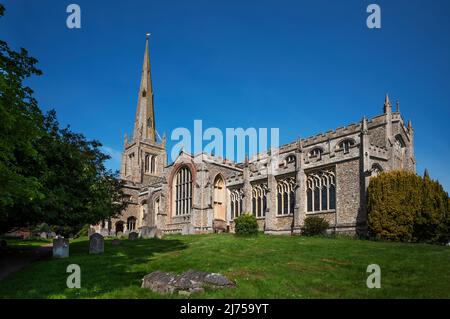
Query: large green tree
47	173
403	206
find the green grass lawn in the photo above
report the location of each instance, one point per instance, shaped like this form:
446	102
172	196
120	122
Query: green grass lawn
32	242
263	267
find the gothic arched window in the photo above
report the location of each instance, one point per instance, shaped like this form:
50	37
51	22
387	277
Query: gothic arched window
316	153
290	159
131	223
259	200
236	202
183	191
153	164
147	163
286	196
321	191
345	145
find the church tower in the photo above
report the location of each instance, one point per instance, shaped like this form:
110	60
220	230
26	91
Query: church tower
144	156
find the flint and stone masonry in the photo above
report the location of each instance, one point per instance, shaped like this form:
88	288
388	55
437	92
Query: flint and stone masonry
326	175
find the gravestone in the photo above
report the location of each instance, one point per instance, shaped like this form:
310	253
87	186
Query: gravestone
43	235
148	231
133	235
115	242
60	247
96	244
191	281
119	234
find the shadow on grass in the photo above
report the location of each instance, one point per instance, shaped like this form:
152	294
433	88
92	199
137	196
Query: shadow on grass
121	266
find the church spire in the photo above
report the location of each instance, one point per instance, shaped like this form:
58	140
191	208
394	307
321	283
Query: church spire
145	113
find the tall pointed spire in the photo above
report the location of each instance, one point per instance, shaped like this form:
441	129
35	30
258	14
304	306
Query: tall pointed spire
145	113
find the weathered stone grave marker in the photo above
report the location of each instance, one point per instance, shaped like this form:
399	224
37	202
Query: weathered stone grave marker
96	244
133	236
61	247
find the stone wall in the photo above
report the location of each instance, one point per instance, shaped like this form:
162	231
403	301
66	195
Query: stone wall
348	191
377	136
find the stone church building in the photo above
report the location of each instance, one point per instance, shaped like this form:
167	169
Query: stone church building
325	175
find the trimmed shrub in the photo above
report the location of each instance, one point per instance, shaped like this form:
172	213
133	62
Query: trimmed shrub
246	224
403	206
314	225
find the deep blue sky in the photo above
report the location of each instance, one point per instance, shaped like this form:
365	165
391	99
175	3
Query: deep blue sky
303	66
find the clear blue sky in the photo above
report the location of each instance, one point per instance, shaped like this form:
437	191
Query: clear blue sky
303	66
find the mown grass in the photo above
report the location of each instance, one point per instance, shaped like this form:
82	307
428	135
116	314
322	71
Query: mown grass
263	267
31	242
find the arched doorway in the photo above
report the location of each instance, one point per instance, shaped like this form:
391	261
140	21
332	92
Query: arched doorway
219	199
119	227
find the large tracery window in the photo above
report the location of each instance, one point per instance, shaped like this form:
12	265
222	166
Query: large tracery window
321	191
183	192
236	202
259	200
286	196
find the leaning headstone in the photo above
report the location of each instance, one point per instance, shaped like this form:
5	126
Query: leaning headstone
96	244
133	235
148	231
43	235
119	234
115	242
60	247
